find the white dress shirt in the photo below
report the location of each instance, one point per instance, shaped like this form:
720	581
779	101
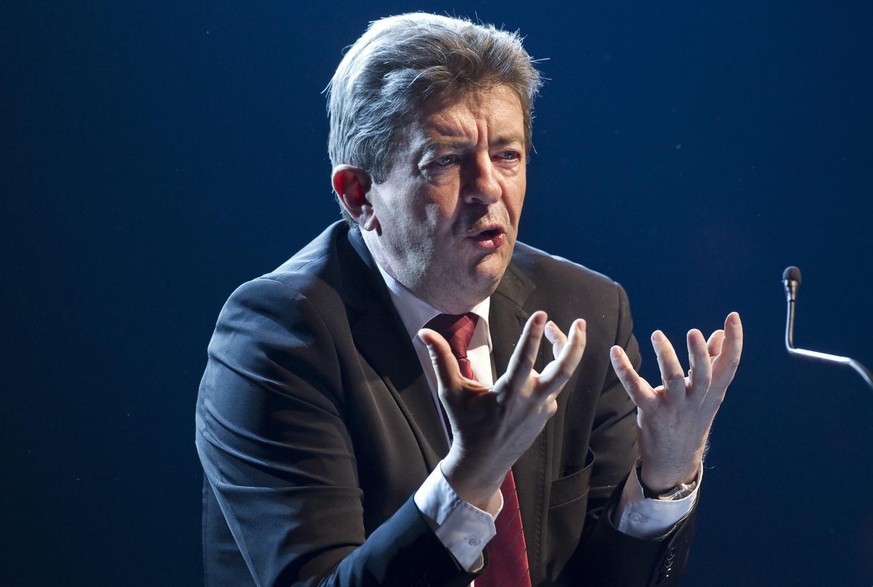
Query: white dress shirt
465	529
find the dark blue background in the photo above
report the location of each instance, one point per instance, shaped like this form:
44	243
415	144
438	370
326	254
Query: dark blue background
156	154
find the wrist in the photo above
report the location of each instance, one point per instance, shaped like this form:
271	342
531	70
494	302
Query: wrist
670	491
471	485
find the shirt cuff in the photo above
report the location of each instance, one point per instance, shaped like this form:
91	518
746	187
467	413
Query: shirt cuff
462	528
649	519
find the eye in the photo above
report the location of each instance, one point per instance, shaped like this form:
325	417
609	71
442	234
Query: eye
445	161
508	156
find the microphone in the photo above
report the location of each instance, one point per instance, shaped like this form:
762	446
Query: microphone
791	281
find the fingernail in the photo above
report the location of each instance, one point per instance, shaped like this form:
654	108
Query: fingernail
658	336
540	318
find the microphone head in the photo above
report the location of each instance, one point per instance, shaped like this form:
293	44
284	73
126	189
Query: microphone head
791	281
791	273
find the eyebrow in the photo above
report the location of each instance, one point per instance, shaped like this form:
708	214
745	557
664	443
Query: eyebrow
502	141
443	141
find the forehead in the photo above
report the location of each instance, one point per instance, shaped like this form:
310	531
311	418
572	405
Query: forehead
496	111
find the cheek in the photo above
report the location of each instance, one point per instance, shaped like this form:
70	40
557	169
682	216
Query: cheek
413	213
440	212
515	201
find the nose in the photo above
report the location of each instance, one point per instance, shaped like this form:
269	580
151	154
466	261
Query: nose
480	185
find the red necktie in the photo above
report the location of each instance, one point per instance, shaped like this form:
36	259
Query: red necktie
507	551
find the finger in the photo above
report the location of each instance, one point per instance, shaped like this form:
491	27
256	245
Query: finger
637	388
556	337
668	363
724	367
715	342
700	372
559	371
444	363
522	361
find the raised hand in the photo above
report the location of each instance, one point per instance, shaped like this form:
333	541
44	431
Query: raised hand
492	427
674	418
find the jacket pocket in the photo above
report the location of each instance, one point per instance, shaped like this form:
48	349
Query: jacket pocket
567	508
574	486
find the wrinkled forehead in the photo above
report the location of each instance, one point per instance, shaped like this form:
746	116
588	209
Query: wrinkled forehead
459	115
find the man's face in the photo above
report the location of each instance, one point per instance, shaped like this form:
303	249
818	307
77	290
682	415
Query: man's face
446	217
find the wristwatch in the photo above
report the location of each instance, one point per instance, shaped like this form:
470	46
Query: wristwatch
675	493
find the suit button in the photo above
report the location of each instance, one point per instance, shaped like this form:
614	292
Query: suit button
667	565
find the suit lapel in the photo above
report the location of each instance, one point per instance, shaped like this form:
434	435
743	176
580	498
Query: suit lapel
508	316
383	341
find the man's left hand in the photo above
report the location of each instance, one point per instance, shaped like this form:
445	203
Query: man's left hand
674	419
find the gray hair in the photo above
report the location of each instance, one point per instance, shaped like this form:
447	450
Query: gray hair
401	62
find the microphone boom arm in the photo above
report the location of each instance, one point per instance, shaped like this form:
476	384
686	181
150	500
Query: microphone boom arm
791	279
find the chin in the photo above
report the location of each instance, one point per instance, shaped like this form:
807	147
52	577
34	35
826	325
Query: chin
495	265
488	278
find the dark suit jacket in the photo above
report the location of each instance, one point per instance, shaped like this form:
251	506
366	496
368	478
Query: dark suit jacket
315	426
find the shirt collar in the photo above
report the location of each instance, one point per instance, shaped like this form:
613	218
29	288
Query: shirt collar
415	312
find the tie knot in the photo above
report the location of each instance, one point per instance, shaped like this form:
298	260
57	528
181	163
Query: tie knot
457	329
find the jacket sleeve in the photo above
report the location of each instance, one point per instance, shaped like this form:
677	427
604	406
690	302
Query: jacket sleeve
272	436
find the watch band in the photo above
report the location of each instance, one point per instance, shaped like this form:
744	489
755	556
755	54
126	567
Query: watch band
675	493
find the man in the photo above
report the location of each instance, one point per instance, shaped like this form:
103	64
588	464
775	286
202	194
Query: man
380	410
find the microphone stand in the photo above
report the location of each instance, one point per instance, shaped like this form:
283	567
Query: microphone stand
791	280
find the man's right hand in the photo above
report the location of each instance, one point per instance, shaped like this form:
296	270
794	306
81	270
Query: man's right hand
493	427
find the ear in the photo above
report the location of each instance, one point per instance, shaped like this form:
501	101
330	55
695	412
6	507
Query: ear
352	184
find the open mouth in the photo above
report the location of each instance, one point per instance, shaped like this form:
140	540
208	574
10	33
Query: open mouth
490	238
488	234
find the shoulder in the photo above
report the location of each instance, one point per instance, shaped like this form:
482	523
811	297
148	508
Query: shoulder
285	325
555	276
322	272
319	260
536	280
312	296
